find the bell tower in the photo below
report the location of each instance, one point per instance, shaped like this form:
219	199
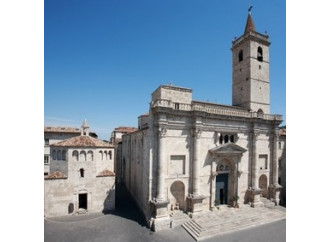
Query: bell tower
250	54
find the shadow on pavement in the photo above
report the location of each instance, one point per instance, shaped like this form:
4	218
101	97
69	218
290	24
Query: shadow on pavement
126	207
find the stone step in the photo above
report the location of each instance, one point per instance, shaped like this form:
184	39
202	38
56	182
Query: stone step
194	226
218	231
217	223
191	230
200	230
267	203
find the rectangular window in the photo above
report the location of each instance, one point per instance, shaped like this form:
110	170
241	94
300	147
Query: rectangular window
177	165
263	162
46	159
46	141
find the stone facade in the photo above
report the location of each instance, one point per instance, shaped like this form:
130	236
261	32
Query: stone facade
194	156
82	177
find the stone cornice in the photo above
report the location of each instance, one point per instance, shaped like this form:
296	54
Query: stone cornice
203	109
252	35
181	89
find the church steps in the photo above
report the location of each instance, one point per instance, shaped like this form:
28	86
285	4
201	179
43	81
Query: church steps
215	224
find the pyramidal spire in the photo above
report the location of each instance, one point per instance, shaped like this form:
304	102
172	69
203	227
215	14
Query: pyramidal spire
85	124
249	23
85	128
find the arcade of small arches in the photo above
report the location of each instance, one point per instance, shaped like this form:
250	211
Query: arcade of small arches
82	155
59	155
226	138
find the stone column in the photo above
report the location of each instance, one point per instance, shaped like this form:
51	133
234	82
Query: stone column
160	164
196	186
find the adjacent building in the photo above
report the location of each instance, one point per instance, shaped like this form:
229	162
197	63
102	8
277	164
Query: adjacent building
117	133
193	156
55	134
81	178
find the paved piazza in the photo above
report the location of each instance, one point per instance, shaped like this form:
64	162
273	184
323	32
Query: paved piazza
125	224
99	227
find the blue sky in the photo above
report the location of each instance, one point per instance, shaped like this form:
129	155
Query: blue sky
103	59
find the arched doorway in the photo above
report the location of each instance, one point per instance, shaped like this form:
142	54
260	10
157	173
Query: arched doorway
222	188
177	192
263	185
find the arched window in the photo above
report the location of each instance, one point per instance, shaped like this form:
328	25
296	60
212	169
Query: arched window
240	55
101	155
110	154
63	155
58	155
260	55
260	113
82	172
226	139
221	139
82	156
54	155
105	156
75	155
90	155
232	138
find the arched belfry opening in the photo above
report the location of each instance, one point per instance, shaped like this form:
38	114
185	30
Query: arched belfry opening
260	54
260	113
240	55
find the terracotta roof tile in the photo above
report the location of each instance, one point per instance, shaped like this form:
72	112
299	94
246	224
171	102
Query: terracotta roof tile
126	129
82	141
106	172
56	175
53	129
61	129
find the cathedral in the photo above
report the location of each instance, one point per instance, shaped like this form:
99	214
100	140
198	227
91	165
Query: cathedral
195	156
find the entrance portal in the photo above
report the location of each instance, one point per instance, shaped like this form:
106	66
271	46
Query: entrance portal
83	200
221	192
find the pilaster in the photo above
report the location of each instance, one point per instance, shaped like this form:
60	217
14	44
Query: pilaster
160	165
195	200
255	191
274	188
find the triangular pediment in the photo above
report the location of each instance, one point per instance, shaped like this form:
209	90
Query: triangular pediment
229	148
